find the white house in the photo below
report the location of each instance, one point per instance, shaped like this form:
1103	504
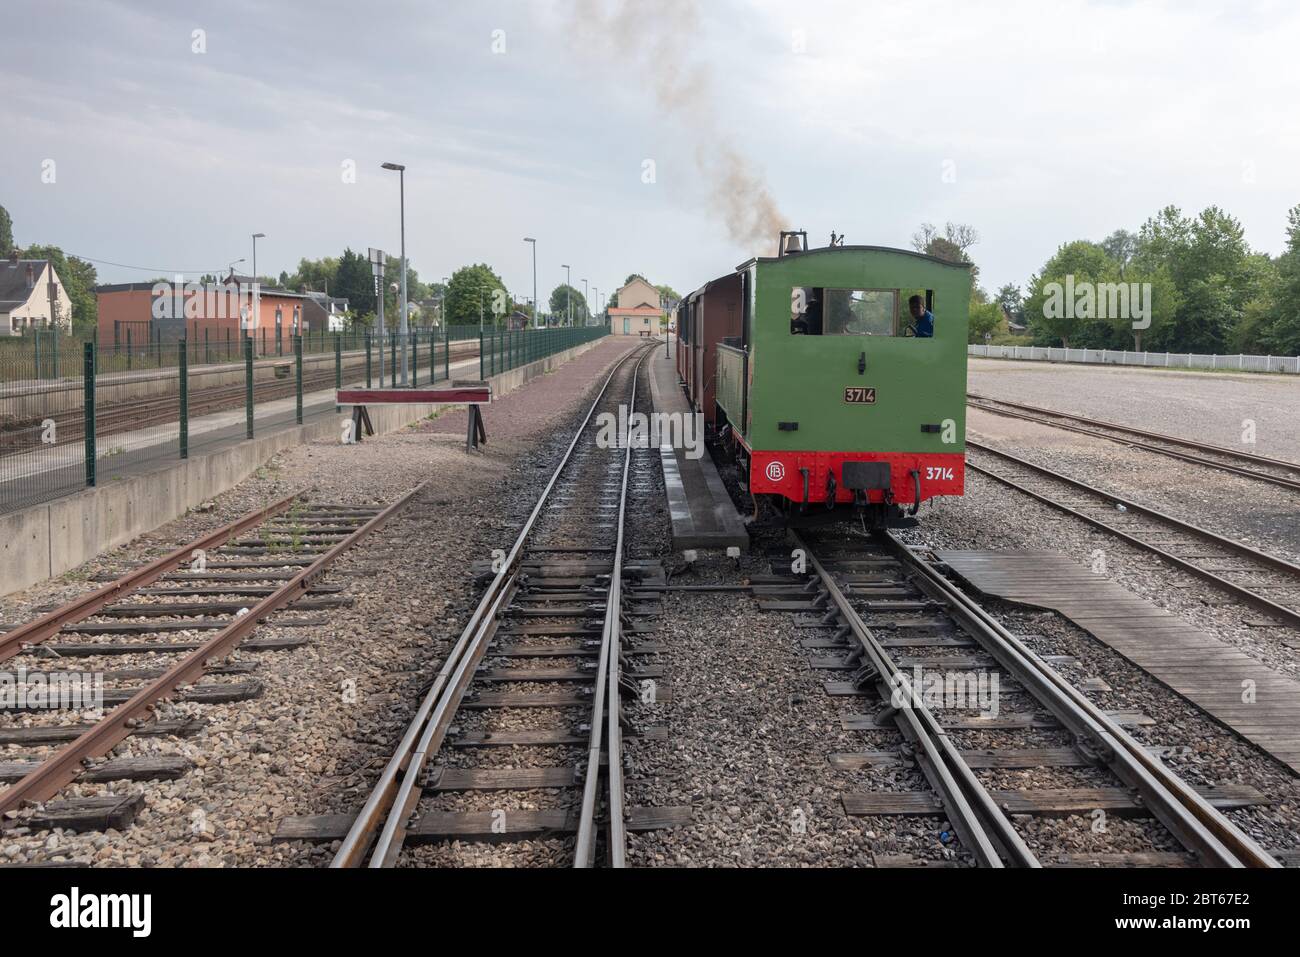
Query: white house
32	297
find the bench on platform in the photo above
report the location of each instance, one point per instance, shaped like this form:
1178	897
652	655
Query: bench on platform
471	394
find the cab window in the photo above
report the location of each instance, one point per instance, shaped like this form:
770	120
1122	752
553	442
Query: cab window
826	311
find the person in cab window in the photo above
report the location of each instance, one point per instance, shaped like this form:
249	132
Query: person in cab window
923	324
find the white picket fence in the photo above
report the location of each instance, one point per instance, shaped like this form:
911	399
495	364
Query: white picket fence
1162	360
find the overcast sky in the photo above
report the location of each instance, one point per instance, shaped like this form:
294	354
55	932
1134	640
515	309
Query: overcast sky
1036	122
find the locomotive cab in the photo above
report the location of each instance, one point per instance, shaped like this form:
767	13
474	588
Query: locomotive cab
836	408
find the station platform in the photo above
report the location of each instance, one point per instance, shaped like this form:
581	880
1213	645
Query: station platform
701	511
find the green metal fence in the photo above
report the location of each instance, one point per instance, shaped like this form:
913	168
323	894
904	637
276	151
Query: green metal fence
504	349
75	414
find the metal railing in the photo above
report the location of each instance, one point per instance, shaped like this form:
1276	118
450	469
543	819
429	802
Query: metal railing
1161	360
66	426
503	349
76	414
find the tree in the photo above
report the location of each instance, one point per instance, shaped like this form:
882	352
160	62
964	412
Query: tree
1012	303
315	275
1283	334
1121	246
6	232
476	293
631	276
1212	273
563	297
985	318
1050	317
951	246
354	281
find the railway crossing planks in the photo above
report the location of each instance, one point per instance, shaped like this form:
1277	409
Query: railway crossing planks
1211	674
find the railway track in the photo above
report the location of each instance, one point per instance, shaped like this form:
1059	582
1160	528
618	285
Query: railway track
566	610
895	623
1261	468
1265	582
173	622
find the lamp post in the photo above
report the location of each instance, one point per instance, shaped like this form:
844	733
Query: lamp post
257	288
585	301
537	319
402	325
568	296
377	261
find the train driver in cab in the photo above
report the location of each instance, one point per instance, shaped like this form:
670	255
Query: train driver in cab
923	326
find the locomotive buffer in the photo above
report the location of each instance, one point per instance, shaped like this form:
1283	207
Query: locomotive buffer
458	392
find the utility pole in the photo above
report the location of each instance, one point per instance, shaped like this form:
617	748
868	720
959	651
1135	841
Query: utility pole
402	323
377	266
568	294
537	313
257	288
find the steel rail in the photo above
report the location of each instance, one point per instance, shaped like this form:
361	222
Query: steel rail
1029	415
981	824
1172	439
1254	599
46	626
1200	827
606	700
395	793
63	766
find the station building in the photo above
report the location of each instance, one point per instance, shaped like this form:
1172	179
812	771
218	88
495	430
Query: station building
639	311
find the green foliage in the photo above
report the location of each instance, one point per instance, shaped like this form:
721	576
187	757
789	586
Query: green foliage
6	232
952	245
476	291
1282	299
314	275
1212	271
562	298
985	318
1012	303
354	281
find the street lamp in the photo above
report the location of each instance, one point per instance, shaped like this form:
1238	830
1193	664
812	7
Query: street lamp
568	297
257	287
585	301
402	326
256	237
536	312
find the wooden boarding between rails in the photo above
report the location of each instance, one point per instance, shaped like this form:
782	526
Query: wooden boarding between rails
472	394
